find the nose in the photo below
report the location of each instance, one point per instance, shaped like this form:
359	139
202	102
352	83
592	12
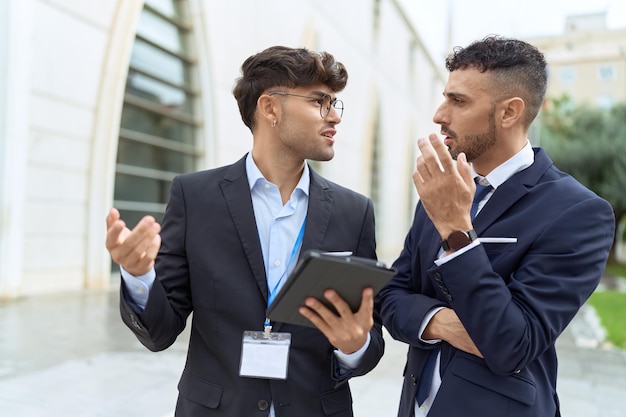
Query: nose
333	116
440	117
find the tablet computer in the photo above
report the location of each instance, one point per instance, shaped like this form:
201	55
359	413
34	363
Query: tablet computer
318	271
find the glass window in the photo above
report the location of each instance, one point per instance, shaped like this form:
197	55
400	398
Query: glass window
606	72
168	8
567	75
157	124
155	61
141	189
131	152
158	127
143	86
161	31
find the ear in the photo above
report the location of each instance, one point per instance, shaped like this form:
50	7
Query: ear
512	111
268	109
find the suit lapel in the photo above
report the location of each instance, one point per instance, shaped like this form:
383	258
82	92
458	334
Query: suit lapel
318	213
236	192
511	191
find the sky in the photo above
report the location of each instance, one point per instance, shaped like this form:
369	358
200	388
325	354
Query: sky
474	19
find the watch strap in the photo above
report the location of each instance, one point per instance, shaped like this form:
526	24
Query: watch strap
458	239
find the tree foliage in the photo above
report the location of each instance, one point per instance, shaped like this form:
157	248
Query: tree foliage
590	144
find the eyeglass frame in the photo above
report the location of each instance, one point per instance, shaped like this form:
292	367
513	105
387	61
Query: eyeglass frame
320	100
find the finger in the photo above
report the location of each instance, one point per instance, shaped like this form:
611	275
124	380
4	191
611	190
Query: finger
143	232
141	242
343	309
430	159
443	154
465	170
321	310
367	301
114	232
112	217
417	177
365	314
315	319
154	247
421	165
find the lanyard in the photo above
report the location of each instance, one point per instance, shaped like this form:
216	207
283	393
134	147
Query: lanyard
273	292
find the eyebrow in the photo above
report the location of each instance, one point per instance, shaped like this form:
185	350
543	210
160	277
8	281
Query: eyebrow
452	94
322	94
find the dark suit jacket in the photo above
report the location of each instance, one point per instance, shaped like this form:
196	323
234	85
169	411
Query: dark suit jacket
514	299
210	263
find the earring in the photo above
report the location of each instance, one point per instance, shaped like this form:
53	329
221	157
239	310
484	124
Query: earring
274	123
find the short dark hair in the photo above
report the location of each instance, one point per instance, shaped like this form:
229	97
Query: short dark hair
281	66
518	69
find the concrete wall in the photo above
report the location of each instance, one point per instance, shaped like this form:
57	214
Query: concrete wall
63	66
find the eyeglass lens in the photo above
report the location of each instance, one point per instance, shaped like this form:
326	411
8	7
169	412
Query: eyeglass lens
327	103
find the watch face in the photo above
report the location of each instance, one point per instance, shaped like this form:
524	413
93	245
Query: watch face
458	240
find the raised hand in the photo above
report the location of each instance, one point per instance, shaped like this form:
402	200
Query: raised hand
135	250
445	189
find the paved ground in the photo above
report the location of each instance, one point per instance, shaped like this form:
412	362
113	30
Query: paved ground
70	355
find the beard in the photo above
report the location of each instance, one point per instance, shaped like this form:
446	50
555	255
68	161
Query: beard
302	143
474	145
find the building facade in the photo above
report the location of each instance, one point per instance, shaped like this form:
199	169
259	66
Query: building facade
103	102
587	62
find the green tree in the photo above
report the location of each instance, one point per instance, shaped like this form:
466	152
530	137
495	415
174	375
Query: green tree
590	144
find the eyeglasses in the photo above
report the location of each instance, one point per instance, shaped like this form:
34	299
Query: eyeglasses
324	101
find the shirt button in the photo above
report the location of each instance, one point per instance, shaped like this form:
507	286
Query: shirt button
422	409
139	289
262	405
276	263
267	186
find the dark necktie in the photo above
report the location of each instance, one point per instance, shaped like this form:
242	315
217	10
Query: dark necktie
481	192
427	376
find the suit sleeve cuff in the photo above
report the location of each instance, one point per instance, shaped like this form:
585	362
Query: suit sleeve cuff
427	319
349	362
138	288
443	259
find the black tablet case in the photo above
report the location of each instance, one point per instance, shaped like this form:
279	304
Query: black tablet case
318	271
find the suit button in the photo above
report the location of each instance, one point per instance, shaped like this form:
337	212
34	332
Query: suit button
413	379
438	277
263	405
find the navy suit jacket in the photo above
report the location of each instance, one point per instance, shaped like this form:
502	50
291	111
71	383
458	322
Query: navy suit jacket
210	263
514	299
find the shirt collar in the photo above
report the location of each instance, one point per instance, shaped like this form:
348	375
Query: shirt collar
255	175
518	162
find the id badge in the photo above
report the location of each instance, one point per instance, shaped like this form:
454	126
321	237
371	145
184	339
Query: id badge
265	355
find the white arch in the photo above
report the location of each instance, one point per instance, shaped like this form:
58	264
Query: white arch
105	139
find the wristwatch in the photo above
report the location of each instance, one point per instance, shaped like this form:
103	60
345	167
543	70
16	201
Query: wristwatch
458	239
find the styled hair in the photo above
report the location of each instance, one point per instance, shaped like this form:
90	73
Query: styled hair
280	66
518	69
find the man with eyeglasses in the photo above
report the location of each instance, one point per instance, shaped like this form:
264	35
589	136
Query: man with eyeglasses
230	237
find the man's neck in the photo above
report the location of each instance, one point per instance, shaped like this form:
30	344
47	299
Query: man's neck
282	172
